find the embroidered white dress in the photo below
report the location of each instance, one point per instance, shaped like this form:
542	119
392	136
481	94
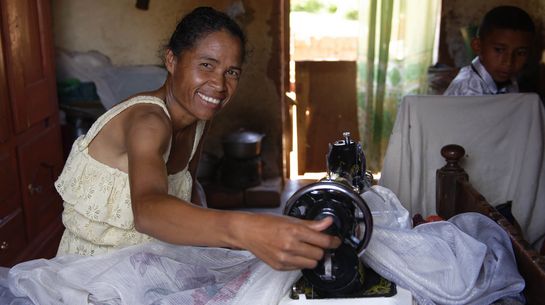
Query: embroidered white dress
97	203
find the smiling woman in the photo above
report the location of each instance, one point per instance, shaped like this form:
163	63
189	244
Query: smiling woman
131	200
204	80
131	178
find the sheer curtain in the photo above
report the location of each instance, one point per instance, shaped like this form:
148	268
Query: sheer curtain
395	51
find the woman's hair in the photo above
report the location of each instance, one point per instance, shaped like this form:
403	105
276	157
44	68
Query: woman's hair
199	23
507	18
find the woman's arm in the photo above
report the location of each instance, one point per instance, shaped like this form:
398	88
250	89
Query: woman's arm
282	242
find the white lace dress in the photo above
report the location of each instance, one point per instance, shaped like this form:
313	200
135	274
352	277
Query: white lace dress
97	203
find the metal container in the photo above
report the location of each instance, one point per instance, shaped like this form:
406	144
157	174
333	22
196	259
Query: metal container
242	144
240	174
208	166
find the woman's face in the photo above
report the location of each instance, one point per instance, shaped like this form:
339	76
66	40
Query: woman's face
205	77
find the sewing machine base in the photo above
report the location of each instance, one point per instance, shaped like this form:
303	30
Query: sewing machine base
374	290
402	297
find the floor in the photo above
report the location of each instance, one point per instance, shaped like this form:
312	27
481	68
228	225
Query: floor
290	187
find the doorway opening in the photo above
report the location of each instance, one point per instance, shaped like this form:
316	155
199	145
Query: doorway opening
323	70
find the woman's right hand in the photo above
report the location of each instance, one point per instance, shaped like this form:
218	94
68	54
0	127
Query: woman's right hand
286	243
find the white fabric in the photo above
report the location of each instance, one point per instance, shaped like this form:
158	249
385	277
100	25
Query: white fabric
503	136
113	83
152	273
466	260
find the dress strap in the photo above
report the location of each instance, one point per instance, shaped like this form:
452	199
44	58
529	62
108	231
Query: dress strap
106	117
198	135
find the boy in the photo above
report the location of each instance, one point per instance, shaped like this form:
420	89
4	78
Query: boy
502	46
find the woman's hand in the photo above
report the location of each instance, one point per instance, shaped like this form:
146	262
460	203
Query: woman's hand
287	243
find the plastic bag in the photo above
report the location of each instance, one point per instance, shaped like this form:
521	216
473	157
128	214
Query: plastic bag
113	83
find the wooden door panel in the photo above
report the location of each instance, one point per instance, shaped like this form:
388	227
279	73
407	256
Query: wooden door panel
4	110
40	163
4	100
29	60
9	183
327	106
12	238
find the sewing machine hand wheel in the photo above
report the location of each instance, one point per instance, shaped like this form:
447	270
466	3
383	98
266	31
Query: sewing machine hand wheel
352	220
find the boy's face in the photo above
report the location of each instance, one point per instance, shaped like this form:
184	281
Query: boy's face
503	52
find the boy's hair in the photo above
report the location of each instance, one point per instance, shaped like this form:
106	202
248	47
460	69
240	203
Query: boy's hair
507	18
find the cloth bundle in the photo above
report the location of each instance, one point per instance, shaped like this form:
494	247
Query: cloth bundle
466	260
152	273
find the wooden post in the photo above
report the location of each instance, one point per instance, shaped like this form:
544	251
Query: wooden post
447	188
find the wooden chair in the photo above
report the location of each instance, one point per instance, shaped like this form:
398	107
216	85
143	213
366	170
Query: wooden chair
455	194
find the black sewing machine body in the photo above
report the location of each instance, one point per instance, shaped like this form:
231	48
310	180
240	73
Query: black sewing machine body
339	273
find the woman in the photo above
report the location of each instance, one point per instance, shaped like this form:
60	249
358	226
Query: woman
130	179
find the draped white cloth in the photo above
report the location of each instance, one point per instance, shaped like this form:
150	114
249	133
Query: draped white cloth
466	260
503	136
153	273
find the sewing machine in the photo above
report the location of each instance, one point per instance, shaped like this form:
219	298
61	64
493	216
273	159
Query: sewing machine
340	277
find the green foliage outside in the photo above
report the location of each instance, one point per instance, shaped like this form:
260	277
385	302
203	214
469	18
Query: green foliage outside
352	15
326	6
309	6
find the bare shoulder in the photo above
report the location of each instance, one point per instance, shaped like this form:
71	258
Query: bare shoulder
147	116
143	128
147	124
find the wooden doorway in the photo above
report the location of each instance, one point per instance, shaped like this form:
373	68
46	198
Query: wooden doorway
323	42
326	107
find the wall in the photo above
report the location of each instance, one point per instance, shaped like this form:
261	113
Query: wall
460	13
131	37
118	29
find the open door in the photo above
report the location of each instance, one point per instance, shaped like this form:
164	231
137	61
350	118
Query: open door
323	44
326	97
